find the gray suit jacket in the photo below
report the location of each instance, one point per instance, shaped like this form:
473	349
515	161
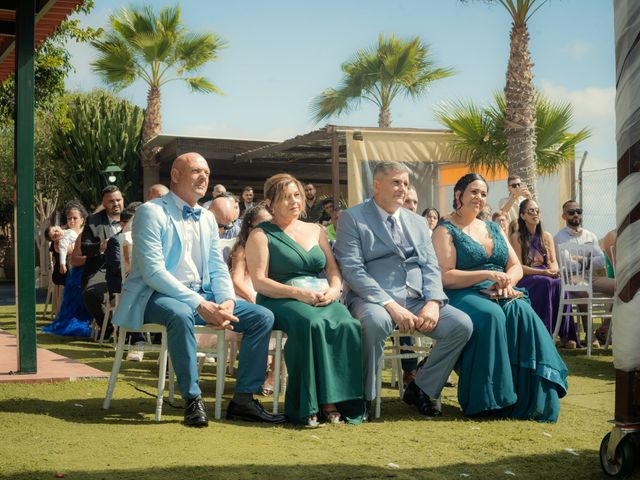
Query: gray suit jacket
374	268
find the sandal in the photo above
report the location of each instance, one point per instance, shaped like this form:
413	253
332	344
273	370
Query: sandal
267	390
332	417
312	421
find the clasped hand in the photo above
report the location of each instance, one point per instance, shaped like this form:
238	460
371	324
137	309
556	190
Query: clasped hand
407	322
317	299
219	315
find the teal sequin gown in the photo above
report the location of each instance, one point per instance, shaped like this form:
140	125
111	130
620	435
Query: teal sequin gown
323	350
510	367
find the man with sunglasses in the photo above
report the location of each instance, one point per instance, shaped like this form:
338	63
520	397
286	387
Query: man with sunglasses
574	233
510	205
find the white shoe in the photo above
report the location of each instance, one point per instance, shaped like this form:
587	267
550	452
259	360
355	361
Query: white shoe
135	355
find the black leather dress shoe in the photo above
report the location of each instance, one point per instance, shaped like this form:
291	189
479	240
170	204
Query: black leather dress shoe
427	406
195	415
252	412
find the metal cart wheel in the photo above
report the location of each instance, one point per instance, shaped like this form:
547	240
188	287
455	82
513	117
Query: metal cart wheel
623	461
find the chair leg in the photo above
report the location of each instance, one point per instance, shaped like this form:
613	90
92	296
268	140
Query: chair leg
589	328
105	320
609	332
378	390
117	362
220	371
162	375
559	317
277	354
172	379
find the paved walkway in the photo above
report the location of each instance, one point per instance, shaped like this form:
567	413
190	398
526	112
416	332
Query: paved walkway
51	366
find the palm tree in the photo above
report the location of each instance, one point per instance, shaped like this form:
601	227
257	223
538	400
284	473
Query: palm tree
520	118
157	49
480	133
378	75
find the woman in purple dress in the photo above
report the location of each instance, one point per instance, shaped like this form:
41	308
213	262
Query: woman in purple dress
537	255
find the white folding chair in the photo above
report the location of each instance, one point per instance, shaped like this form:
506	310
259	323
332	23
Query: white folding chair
52	301
392	351
122	348
576	277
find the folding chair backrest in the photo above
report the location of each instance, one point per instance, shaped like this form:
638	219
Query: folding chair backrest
575	267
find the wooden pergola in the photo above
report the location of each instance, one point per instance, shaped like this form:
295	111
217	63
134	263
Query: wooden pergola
24	24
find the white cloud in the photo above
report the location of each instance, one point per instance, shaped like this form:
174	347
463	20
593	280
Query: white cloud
590	102
577	49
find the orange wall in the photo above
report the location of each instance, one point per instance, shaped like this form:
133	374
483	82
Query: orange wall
450	173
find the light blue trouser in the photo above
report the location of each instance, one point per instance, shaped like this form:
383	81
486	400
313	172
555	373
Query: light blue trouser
179	318
452	332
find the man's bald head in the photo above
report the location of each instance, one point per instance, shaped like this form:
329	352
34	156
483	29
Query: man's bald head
156	191
224	209
190	177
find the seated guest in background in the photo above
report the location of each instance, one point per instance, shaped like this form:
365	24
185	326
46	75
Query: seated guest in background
608	246
327	210
502	220
98	228
393	280
241	279
432	216
541	275
247	200
322	354
157	190
313	206
574	233
225	210
411	199
72	319
510	367
178	279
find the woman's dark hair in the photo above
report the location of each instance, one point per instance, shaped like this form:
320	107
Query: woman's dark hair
75	204
462	184
247	225
427	211
525	236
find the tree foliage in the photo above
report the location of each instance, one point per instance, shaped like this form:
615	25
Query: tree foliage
379	74
104	130
480	137
52	65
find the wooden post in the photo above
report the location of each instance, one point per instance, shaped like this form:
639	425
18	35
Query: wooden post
335	167
24	211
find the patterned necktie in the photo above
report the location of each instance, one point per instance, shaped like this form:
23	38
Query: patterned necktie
187	212
395	231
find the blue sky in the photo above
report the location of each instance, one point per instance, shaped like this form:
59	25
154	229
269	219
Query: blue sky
282	53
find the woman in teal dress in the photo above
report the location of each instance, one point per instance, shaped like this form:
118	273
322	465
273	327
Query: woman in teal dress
323	350
510	366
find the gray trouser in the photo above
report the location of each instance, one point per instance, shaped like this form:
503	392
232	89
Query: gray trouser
452	332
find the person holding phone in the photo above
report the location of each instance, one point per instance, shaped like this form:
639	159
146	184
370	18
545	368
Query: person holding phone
510	366
518	192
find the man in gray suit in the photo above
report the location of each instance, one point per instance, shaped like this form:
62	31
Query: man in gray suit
393	279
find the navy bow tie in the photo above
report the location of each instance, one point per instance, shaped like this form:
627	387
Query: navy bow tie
187	212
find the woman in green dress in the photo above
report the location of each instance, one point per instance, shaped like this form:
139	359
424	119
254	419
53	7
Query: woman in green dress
323	352
510	366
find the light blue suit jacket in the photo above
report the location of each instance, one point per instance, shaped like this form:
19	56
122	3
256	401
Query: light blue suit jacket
157	244
373	266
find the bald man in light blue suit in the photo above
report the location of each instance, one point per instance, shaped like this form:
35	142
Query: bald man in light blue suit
394	281
178	278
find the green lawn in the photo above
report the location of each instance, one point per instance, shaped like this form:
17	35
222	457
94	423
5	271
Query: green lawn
61	427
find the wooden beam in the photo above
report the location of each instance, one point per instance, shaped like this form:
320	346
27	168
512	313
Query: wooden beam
287	144
335	167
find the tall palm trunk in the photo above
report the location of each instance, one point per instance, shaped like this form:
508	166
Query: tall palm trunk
520	115
151	127
384	117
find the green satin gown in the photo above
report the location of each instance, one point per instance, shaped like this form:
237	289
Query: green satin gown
323	349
